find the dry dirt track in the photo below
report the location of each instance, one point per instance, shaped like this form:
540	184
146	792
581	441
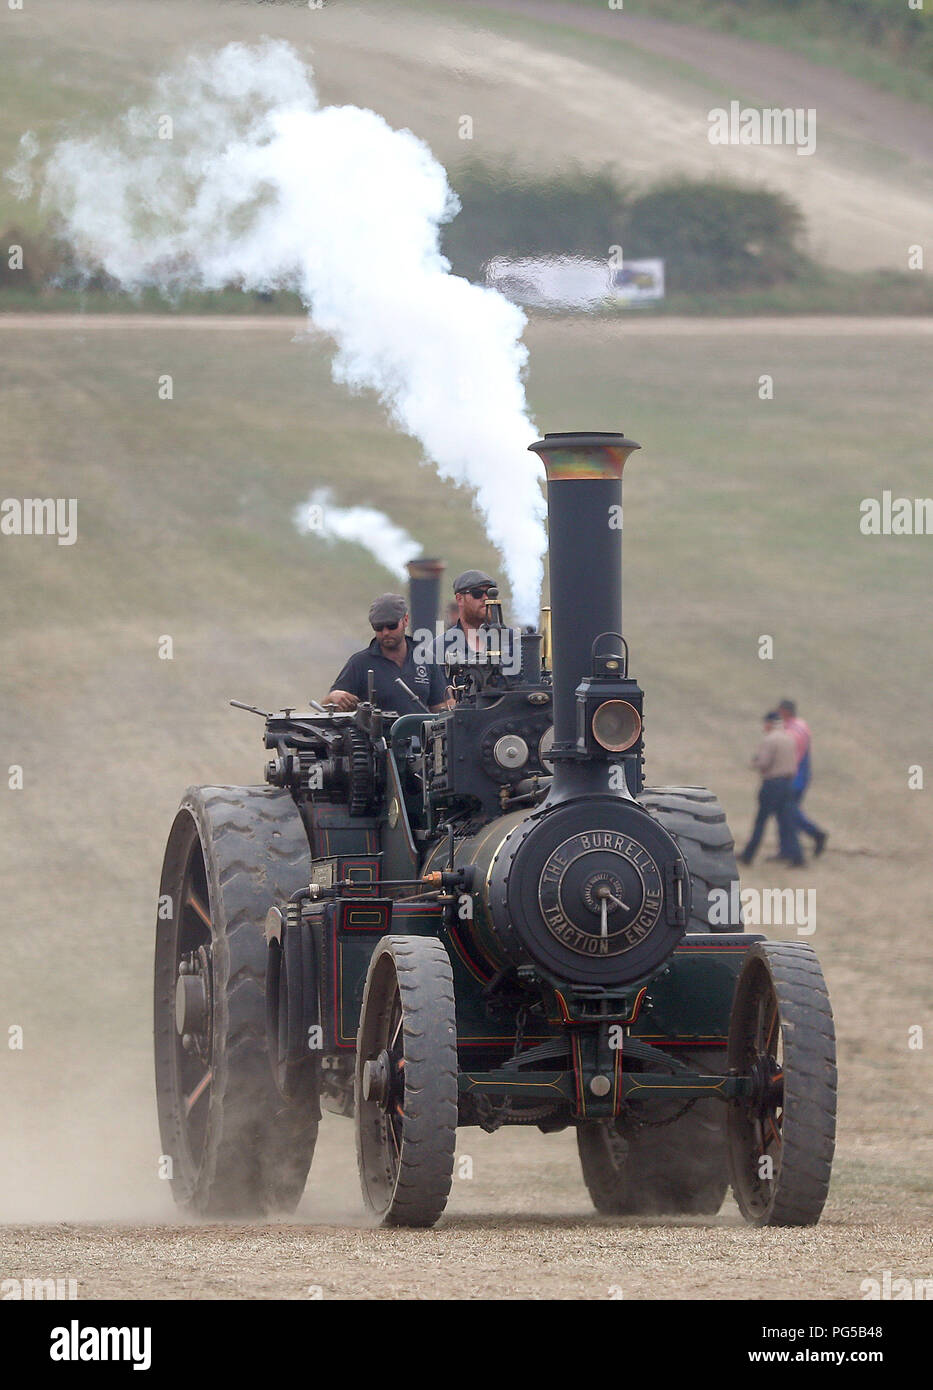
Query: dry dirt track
519	1224
535	1258
522	1228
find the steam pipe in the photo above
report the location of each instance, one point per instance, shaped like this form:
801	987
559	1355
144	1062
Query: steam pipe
424	590
584	485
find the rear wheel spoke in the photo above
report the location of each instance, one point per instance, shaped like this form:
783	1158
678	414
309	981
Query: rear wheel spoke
194	901
199	1090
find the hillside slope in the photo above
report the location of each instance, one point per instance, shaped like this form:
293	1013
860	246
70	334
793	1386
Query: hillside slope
540	95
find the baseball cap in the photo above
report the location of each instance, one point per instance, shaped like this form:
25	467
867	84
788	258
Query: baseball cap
471	579
388	608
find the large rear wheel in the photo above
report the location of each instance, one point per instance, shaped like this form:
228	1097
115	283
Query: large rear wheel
680	1168
406	1081
697	821
238	1146
668	1170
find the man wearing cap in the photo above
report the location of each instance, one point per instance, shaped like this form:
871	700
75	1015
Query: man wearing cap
776	761
390	658
470	590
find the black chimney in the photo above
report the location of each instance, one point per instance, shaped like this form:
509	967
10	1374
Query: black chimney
424	588
584	478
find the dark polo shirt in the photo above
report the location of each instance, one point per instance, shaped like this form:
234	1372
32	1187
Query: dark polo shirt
426	679
454	645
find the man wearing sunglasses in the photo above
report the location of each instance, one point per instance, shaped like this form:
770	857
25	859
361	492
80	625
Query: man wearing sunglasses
470	590
390	658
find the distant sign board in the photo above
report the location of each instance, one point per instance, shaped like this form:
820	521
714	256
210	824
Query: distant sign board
638	282
574	282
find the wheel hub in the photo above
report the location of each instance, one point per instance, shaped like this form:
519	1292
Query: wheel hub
192	1000
768	1084
377	1076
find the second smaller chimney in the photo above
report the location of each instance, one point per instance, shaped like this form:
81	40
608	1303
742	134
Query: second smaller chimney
424	590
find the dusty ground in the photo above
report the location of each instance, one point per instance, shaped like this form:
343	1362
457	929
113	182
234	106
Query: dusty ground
522	1227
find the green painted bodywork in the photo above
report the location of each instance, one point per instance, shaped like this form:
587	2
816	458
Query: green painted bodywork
686	1007
683	1009
688	1004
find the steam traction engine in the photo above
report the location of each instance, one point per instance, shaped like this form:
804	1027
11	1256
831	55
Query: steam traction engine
483	917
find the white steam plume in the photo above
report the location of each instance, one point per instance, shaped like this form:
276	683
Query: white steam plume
261	186
392	546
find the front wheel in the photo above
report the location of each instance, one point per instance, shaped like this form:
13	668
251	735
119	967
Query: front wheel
781	1034
406	1081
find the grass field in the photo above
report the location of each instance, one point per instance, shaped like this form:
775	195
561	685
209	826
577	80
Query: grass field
542	96
741	519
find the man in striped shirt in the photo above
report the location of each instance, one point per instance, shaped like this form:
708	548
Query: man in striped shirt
799	729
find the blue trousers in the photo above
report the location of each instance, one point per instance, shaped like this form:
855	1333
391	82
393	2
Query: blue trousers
802	822
776	798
